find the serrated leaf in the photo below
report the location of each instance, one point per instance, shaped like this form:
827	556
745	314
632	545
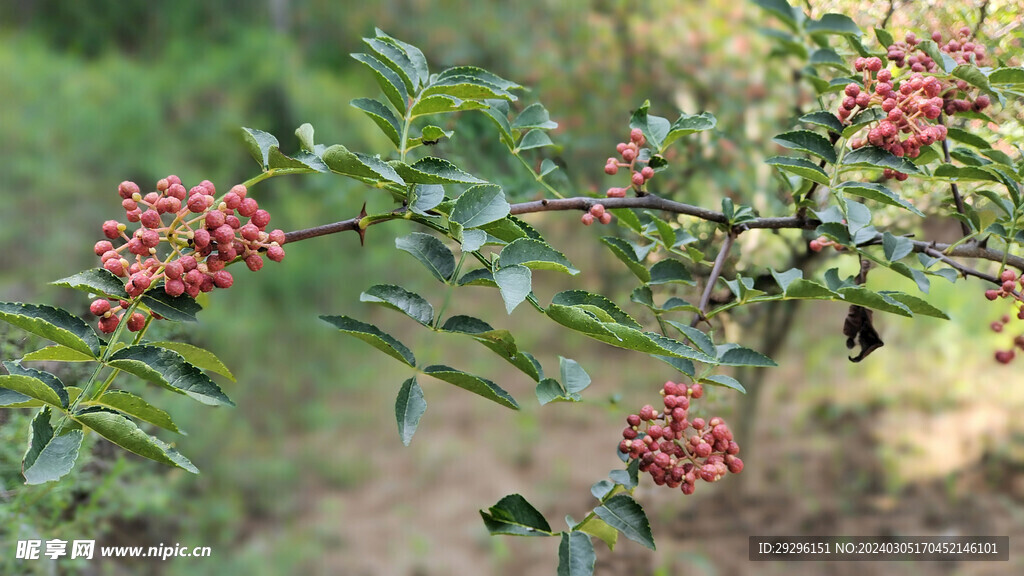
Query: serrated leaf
825	119
95	281
37	384
699	339
360	166
382	116
884	37
198	357
373	336
534	116
916	305
879	158
868	299
878	193
176	308
135	407
397	298
473	240
480	205
535	254
896	247
597	302
623	250
599	528
535	139
431	252
170	370
1009	75
259	144
972	75
514	283
303	163
833	24
726	381
625	515
443	104
801	167
389	82
734	355
57	353
416	58
475	384
574	377
670	270
576	554
409	408
127	435
54	324
862	119
626	217
49	458
807	141
513	515
969	138
432	170
500	342
655	128
428	197
478	277
478	74
466	88
395	58
688	124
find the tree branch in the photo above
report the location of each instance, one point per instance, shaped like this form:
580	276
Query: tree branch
955	189
716	270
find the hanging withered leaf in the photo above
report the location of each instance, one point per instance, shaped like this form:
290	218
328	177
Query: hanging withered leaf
858	327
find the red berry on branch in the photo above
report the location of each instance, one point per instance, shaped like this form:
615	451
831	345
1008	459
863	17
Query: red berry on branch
248	207
99	307
587	219
1004	356
597	210
136	322
611	169
223	279
275	253
647	172
605	218
108	324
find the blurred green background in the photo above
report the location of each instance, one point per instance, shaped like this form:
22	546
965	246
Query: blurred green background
307	474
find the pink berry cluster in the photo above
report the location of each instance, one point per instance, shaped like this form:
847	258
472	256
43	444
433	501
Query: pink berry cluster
596	212
204	234
913	105
659	440
1012	287
629	154
961	48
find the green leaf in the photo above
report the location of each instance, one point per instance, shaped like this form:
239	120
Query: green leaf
37	384
416	58
574	377
789	15
360	166
515	284
550	390
514	516
54	324
625	515
259	144
397	298
595	303
896	247
535	139
628	478
784	279
478	277
534	116
825	119
884	37
432	170
382	116
11	399
373	336
431	252
198	357
868	299
807	141
862	119
688	124
576	554
1014	76
95	281
878	193
969	138
828	57
872	156
655	128
176	308
57	353
305	135
443	104
466	88
734	355
49	458
624	251
699	339
801	167
626	217
664	229
478	75
135	407
916	305
833	24
809	290
389	82
170	370
409	408
127	435
726	381
970	74
535	254
599	528
427	197
302	163
475	384
480	205
395	58
670	270
500	342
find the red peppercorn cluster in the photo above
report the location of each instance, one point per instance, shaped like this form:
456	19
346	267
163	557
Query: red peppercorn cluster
913	102
1013	288
204	234
630	158
659	440
596	212
822	242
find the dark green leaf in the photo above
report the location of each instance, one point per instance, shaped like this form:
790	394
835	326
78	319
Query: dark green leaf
626	217
466	88
397	298
535	254
884	37
169	369
515	516
431	252
825	119
135	407
969	138
431	170
625	515
833	24
688	124
419	63
801	167
480	75
409	408
395	58
176	308
916	305
862	119
127	435
259	144
95	281
595	303
478	277
382	116
698	338
198	357
428	196
807	141
534	116
828	57
576	554
627	478
480	205
655	128
535	139
896	247
789	15
475	384
872	156
54	324
733	355
389	82
515	284
623	250
726	381
809	290
868	299
360	166
49	458
970	74
37	384
670	270
878	193
373	336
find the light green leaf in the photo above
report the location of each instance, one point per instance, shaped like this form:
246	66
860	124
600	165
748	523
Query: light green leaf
480	205
95	281
599	528
595	303
688	124
395	58
655	128
574	377
550	390
443	104
259	144
624	251
478	75
431	252
37	384
868	299
535	254
127	435
699	339
135	407
1013	76
54	324
535	139
475	384
576	554
432	170
397	298
416	58
916	305
360	166
534	116
879	158
409	408
198	357
726	381
305	135
170	370
670	270
389	82
382	116
373	336
833	24
734	355
57	353
896	247
49	458
515	284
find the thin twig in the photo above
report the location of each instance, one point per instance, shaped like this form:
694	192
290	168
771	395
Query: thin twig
716	271
955	189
